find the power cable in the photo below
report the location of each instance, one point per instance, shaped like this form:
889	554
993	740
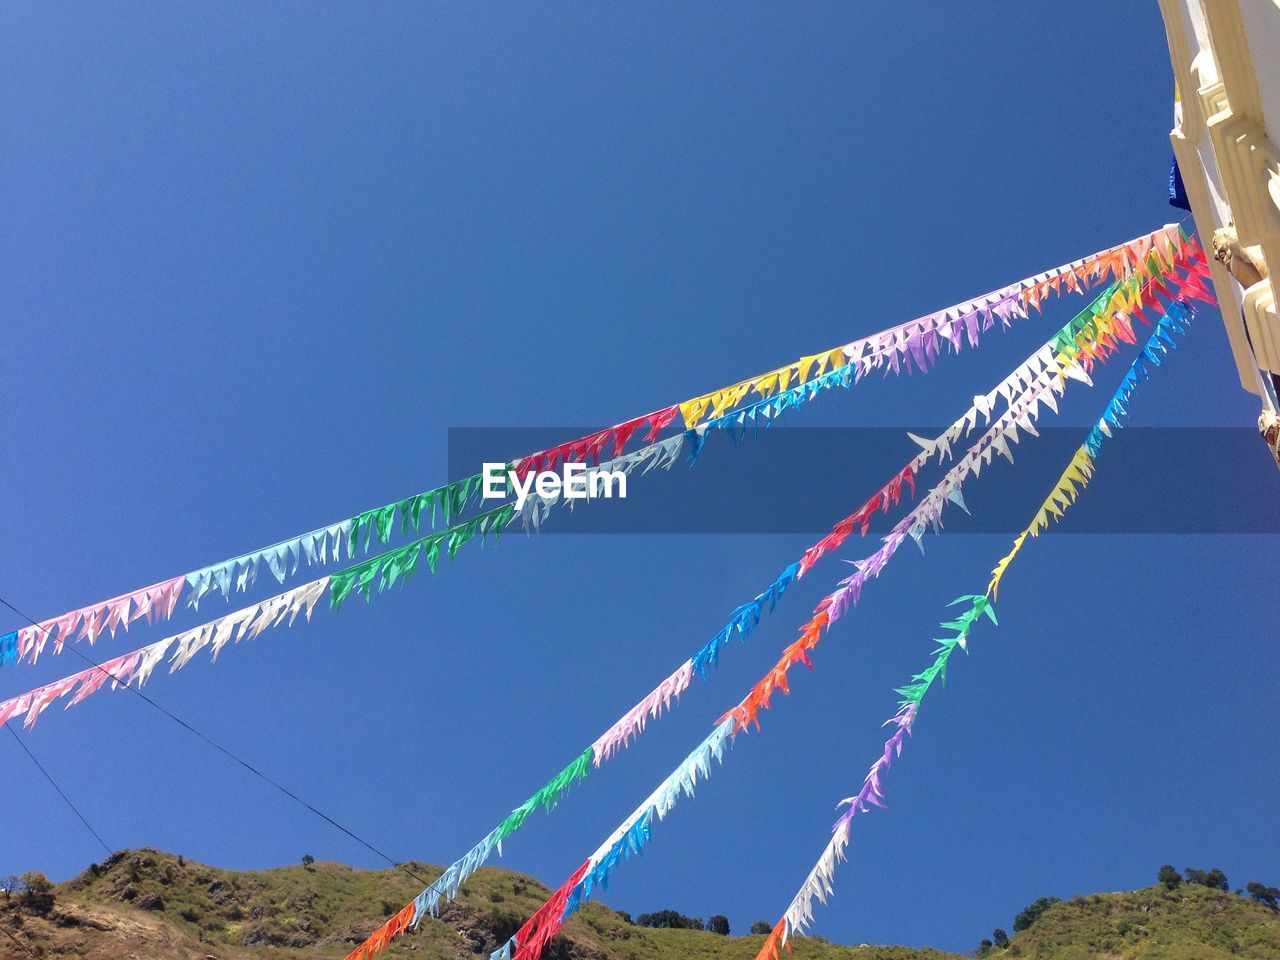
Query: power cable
53	783
219	747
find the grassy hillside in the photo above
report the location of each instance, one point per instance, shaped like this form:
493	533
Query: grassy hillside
153	905
1189	923
150	905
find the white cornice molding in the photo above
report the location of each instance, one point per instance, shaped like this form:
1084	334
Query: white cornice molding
1222	124
1249	164
1233	57
1200	100
1264	325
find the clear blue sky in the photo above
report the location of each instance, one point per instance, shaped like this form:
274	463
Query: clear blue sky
258	259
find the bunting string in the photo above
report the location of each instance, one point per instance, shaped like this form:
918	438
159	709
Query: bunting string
633	834
928	513
921	341
819	884
1104	322
924	517
630	837
1078	472
628	840
137	666
916	343
1078	342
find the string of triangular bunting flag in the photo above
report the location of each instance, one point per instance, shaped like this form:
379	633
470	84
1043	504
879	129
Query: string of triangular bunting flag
1068	352
819	884
1070	341
1077	339
919	342
633	834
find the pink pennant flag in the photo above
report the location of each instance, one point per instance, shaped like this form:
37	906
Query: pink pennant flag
156	602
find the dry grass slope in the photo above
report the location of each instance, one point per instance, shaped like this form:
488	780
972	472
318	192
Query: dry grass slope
150	905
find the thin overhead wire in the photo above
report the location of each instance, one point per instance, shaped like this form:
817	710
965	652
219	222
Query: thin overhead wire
225	751
53	783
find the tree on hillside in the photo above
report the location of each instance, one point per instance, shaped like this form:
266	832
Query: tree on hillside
1267	896
761	926
984	948
669	920
38	892
1218	880
1215	878
719	924
1169	876
1001	938
308	860
10	885
1027	917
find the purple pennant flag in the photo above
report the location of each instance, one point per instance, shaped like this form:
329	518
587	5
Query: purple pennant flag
893	361
931	344
915	343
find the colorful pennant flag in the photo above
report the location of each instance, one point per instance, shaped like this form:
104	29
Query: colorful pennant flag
633	834
819	884
919	342
136	667
631	837
1089	338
